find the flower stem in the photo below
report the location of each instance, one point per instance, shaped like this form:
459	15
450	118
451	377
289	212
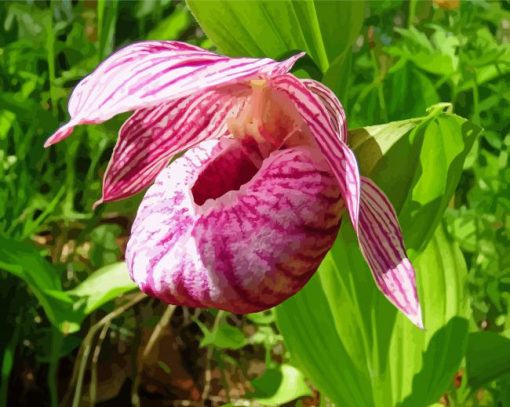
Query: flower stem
83	354
158	330
50	48
379	84
412	13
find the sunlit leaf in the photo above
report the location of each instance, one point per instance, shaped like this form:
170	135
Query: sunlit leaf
436	53
102	286
418	163
307	324
325	30
262	318
385	360
279	385
65	309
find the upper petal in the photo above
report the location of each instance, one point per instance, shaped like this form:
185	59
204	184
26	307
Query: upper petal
383	247
150	137
148	73
329	135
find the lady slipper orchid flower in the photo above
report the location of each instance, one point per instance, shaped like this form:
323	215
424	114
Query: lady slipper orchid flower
243	219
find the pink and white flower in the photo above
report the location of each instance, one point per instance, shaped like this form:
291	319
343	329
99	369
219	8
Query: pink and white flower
243	219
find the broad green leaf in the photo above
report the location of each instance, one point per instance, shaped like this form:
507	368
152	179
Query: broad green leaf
102	286
355	347
389	361
24	261
441	278
487	357
307	324
418	163
279	385
325	30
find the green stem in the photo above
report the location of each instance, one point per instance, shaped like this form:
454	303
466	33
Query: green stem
476	101
72	153
95	359
208	360
106	21
412	13
32	227
100	23
50	47
379	84
7	364
83	354
156	334
223	378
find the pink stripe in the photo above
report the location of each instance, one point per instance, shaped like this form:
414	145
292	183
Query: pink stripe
326	139
374	223
331	103
380	203
384	268
146	156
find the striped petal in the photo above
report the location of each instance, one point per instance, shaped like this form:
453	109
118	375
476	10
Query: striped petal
382	245
146	74
150	137
332	104
243	242
330	141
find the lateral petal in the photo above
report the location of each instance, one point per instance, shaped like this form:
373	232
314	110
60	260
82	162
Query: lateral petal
332	104
150	137
148	73
329	135
382	245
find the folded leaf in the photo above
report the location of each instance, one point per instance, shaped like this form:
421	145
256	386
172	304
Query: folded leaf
24	261
102	286
417	164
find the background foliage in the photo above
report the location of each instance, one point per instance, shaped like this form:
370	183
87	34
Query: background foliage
75	331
